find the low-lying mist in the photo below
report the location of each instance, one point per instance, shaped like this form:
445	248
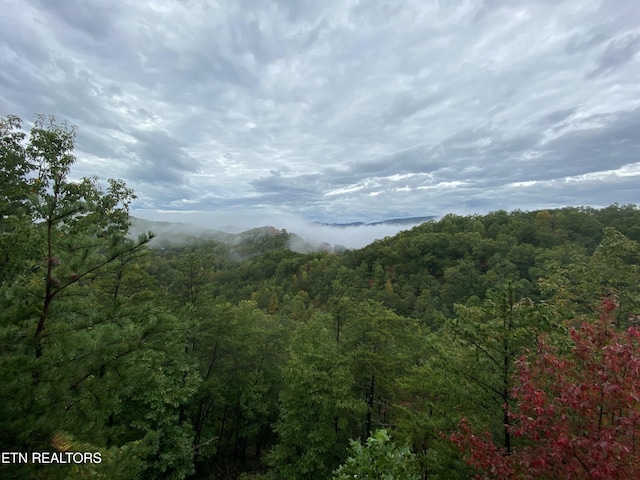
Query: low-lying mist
315	234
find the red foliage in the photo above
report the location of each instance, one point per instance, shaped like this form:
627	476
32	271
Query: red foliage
577	416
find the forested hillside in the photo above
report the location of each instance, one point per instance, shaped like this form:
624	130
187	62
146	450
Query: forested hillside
459	347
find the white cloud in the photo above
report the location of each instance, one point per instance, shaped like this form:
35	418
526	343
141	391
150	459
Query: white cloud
337	111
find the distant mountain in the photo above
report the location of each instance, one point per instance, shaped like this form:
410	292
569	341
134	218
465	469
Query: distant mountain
391	221
244	244
248	242
176	233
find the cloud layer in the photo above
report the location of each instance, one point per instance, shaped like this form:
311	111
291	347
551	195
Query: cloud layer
337	111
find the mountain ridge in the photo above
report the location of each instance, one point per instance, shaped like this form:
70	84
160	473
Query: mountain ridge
390	221
169	234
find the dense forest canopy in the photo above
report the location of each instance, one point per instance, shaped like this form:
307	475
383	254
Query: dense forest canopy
441	352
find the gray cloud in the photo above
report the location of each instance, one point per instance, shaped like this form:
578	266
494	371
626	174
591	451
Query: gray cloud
338	111
619	51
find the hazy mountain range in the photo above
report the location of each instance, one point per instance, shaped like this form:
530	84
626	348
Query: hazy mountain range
305	238
391	221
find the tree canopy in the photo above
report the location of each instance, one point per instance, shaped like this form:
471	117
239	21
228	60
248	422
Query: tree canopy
477	342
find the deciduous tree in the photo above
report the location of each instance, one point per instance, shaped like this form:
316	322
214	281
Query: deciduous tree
380	458
577	415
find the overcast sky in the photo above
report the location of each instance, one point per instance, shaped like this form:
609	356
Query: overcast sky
337	110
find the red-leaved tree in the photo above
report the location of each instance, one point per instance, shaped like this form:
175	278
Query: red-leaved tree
577	416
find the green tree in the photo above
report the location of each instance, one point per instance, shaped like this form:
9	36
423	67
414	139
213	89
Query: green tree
86	354
239	351
378	458
317	411
380	346
467	372
16	234
612	269
493	337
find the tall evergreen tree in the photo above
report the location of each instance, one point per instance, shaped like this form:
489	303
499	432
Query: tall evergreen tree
83	361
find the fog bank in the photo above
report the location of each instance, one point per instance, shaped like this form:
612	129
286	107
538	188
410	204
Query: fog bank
348	236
